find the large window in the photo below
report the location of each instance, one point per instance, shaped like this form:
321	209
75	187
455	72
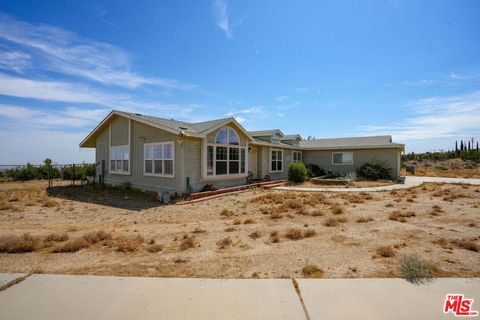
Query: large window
119	157
276	160
159	158
297	156
226	156
345	158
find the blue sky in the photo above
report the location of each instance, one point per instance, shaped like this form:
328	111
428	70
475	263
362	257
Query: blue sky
319	68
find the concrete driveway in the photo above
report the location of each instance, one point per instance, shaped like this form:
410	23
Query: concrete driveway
96	297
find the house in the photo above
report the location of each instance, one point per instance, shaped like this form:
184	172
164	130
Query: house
167	155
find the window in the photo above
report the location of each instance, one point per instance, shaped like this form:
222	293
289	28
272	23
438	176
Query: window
297	156
159	159
345	158
119	156
226	156
275	138
276	160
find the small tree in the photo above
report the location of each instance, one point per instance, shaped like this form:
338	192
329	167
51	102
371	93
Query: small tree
297	172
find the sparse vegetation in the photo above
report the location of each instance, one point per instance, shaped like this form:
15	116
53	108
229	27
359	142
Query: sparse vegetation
401	216
188	242
73	245
364	219
255	235
16	244
414	269
385	251
312	271
225	242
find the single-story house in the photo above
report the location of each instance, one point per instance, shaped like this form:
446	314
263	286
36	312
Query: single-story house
159	154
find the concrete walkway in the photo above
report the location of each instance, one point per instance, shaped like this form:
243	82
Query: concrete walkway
409	182
96	297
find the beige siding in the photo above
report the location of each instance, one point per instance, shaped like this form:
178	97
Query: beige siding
360	156
192	149
265	163
119	131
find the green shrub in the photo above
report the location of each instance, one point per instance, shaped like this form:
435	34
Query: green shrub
209	187
314	170
297	172
414	269
375	170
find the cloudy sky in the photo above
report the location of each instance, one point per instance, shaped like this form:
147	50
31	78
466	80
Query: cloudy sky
319	68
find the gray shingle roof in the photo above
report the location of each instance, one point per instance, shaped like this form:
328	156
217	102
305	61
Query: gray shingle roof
188	127
262	133
353	142
291	137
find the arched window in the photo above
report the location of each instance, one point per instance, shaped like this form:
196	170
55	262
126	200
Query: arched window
226	156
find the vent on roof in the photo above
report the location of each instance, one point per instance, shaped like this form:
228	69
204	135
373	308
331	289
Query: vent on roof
183	128
138	114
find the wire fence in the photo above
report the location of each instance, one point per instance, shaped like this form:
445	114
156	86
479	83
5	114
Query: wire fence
81	173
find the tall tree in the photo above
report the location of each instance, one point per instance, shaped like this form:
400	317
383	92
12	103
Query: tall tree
477	146
456	146
461	145
468	145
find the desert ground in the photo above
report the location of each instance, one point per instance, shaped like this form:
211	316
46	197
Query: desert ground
253	234
452	168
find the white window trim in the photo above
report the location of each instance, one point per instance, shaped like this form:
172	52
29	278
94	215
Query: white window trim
270	163
293	156
227	176
163	160
125	173
343	163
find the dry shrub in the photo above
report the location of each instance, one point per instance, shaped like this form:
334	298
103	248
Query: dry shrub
71	246
255	235
198	230
293	204
56	237
6	206
316	213
125	244
467	245
353	198
337	209
401	216
389	205
265	210
312	271
364	219
225	242
410	199
226	212
294	234
13	199
276	216
248	221
188	242
16	244
155	248
96	236
386	251
309	233
230	229
330	222
237	222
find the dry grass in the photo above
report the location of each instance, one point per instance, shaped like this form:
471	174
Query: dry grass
276	216
337	209
255	235
386	251
154	248
16	244
199	230
73	245
188	242
309	233
225	242
317	213
56	237
312	271
467	245
332	222
128	244
364	219
248	221
294	234
401	216
96	236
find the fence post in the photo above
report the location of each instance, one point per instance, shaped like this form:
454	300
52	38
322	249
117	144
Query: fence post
73	174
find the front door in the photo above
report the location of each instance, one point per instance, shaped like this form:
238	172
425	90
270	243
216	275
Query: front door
252	161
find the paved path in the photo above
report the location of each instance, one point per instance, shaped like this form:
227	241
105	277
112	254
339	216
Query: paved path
6	278
95	297
409	182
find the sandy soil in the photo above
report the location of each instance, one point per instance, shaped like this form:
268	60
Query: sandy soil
453	168
193	238
356	184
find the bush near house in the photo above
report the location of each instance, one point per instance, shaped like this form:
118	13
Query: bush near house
314	170
297	172
375	170
31	172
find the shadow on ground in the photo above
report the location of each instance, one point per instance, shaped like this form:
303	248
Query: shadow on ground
134	200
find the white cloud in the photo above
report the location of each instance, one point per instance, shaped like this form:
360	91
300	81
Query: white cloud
221	16
281	98
437	121
65	52
15	61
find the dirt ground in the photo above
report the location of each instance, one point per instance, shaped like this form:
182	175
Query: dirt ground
356	184
453	168
257	233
